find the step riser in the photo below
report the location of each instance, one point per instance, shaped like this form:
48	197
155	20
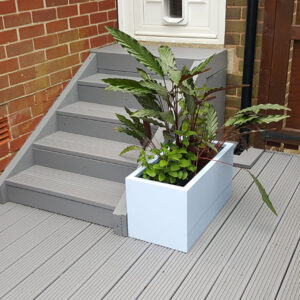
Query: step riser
127	63
81	165
61	206
101	96
94	128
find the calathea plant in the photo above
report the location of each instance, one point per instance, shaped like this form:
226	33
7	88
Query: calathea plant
184	112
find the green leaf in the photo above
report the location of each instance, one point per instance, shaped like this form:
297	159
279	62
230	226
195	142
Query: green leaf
163	163
185	163
201	67
151	172
190	104
146	113
130	148
126	86
173	174
211	122
161	177
256	108
132	133
263	193
167	116
157	87
174	168
144	74
148	101
133	47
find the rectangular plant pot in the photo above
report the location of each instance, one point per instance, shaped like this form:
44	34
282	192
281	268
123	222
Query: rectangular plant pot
174	216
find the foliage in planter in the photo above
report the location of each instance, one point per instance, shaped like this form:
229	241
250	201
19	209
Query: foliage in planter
182	109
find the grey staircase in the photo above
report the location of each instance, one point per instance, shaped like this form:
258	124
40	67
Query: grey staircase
71	163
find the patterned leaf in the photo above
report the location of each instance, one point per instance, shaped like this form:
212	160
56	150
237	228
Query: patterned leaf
157	87
130	148
134	48
126	86
256	108
201	67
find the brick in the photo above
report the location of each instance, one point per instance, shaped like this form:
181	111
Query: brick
1	23
236	2
98	17
32	59
41	108
57	52
88	31
4	150
60	76
106	5
78	1
110	39
16	20
79	21
232	39
2	52
53	92
233	79
56	65
8	36
68	36
36	85
112	15
29	5
5	161
11	93
19	48
4	81
56	26
31	31
235	26
233	102
46	41
98	41
40	97
67	11
44	15
3	110
240	52
86	8
7	7
233	13
9	65
50	3
17	143
26	127
79	46
22	75
20	116
75	69
102	29
20	104
84	56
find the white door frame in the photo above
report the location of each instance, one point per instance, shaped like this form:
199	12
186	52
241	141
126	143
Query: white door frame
127	19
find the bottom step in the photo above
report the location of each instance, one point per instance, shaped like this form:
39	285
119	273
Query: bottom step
79	196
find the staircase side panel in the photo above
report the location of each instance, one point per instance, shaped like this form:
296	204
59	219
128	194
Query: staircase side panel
48	125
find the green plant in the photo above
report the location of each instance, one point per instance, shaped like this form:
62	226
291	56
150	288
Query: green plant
182	109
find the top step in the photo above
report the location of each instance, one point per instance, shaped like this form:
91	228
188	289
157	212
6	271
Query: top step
115	58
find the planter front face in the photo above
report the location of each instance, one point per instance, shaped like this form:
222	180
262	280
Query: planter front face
173	216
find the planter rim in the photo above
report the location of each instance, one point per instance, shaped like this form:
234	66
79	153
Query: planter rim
134	175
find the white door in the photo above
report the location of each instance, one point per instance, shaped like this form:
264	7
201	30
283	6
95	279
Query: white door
177	21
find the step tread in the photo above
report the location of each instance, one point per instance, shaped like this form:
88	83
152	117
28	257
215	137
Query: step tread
81	188
92	111
91	147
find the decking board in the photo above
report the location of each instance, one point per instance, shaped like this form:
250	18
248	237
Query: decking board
245	252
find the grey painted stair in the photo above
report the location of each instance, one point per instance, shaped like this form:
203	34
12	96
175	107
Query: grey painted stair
88	147
93	193
92	119
70	164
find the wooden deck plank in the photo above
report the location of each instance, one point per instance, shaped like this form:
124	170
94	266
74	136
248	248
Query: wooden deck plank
21	269
105	278
264	236
38	281
11	216
290	288
23	226
69	282
269	274
25	244
167	280
143	270
204	273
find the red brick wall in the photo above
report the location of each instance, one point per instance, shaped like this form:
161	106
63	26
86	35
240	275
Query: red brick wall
42	45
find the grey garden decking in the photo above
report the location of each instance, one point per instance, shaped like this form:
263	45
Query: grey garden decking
246	252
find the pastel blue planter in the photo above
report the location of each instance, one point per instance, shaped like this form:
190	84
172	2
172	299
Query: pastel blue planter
174	216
